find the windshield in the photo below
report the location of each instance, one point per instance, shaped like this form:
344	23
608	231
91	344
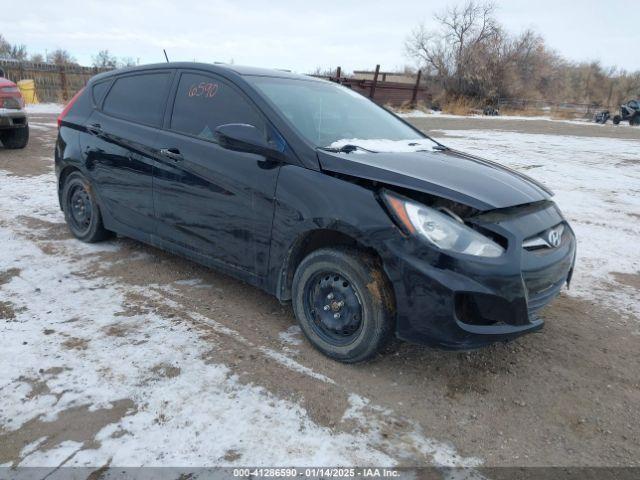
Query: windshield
330	115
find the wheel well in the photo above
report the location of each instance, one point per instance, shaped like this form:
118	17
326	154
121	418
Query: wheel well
63	177
308	243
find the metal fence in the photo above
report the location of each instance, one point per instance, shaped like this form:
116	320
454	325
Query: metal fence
585	109
54	83
395	94
58	83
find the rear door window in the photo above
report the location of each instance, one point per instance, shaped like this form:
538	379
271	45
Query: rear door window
204	102
98	91
139	98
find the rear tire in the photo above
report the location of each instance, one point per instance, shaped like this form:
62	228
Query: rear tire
15	138
356	330
635	120
81	210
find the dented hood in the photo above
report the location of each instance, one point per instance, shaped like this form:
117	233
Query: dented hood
449	174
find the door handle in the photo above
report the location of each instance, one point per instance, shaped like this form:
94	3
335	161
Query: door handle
95	128
172	153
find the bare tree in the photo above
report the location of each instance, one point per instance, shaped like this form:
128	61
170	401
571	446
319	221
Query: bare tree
37	58
127	62
60	57
323	71
5	47
104	60
12	52
429	49
470	55
454	51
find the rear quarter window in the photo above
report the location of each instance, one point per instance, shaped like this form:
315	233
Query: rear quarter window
139	98
98	91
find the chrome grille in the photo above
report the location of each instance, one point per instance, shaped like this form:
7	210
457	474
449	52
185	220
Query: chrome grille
548	239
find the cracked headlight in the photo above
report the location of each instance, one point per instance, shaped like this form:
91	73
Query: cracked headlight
440	229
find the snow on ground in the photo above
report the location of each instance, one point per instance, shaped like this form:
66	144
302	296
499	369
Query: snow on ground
597	186
422	114
416	113
174	407
54	108
45	126
546	118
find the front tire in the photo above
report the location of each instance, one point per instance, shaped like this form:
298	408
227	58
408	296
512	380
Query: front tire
81	210
343	303
15	138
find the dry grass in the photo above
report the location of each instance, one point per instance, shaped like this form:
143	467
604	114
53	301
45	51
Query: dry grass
464	106
406	107
554	113
461	106
557	114
524	112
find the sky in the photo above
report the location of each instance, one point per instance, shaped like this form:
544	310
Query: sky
303	35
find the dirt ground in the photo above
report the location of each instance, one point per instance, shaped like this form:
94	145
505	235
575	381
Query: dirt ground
560	127
568	395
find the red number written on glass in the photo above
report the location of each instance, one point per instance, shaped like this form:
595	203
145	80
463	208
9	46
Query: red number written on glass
203	89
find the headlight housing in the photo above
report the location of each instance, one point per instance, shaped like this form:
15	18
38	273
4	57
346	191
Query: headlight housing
440	229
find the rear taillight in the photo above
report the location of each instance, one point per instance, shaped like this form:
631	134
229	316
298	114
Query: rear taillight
68	107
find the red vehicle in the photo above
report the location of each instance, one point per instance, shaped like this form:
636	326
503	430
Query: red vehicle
14	128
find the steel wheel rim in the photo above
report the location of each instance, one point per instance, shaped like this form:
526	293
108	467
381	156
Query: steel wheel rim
333	308
80	208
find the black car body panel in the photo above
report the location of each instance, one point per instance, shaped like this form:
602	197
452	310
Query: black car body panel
253	217
215	201
120	160
487	299
447	174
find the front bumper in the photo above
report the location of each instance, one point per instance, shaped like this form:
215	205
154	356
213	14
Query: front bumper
12	118
459	301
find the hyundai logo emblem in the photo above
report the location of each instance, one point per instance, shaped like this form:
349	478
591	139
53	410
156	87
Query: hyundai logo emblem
554	237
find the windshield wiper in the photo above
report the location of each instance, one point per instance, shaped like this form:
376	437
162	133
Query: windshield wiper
348	148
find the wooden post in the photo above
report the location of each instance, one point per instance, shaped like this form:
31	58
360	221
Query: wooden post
375	81
338	72
63	84
414	97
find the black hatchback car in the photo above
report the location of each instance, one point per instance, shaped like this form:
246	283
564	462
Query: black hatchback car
309	191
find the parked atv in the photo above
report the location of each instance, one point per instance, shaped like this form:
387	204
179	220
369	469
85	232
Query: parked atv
630	112
491	111
602	117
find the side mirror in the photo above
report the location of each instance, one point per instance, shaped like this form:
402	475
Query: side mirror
242	137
